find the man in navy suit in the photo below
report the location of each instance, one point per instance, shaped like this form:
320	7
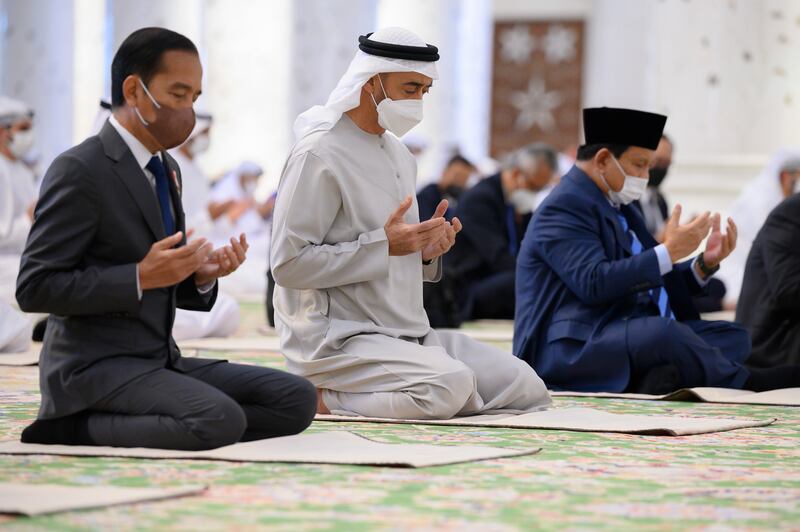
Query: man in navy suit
600	306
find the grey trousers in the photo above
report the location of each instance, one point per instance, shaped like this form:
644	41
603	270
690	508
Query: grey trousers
205	408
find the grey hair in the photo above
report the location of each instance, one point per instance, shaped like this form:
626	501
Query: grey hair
530	156
791	165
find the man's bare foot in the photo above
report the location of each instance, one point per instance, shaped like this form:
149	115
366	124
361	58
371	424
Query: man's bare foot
321	408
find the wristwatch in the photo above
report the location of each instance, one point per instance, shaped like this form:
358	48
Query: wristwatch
701	263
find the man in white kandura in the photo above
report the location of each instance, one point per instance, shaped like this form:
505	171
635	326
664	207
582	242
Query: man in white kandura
349	256
18	190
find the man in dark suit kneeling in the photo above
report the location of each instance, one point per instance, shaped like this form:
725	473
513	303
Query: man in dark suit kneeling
603	307
108	259
769	305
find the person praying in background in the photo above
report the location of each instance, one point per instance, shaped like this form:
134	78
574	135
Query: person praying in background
495	214
776	182
17	189
451	186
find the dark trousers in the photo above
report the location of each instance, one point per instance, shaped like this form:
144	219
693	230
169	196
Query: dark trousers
205	408
697	353
493	297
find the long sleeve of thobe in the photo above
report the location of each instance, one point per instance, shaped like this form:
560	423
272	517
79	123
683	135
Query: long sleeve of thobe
432	273
14	226
310	201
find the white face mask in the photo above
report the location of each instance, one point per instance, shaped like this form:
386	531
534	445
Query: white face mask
524	200
250	187
21	143
199	145
632	190
398	116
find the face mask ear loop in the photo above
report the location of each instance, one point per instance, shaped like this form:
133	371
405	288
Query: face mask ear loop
382	87
157	105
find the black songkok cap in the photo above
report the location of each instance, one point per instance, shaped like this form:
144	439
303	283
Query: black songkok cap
626	127
428	53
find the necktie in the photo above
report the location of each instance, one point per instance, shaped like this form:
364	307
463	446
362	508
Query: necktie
156	167
658	294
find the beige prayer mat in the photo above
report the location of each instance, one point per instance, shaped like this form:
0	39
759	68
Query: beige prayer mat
485	335
783	397
580	420
234	343
722	315
494	324
28	358
266	330
333	447
38	499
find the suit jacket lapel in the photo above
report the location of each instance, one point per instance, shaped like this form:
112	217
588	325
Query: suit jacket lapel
623	239
133	177
609	213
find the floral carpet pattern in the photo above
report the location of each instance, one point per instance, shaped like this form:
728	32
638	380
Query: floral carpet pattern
740	480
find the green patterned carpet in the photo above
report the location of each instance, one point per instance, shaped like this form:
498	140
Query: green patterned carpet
739	480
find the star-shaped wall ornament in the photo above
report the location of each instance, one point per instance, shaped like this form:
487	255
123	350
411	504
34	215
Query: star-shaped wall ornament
535	106
517	44
559	44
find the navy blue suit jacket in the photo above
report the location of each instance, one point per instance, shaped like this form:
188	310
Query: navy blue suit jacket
428	198
576	276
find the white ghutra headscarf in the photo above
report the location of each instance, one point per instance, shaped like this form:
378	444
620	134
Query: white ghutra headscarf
750	211
347	94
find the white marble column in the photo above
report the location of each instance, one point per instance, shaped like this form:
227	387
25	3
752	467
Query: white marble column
183	16
38	68
246	83
323	42
474	78
91	80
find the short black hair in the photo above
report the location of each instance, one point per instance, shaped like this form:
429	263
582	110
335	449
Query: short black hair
587	151
141	54
458	159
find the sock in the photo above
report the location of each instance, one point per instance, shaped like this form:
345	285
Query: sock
658	380
764	379
69	430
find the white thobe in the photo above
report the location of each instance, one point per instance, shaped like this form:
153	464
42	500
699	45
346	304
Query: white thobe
249	282
350	317
15	330
223	318
17	193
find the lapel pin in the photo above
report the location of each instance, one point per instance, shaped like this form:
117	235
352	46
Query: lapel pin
175	180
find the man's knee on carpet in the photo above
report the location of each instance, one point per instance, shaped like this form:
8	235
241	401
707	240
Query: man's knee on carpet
430	396
441	398
297	408
666	346
220	423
